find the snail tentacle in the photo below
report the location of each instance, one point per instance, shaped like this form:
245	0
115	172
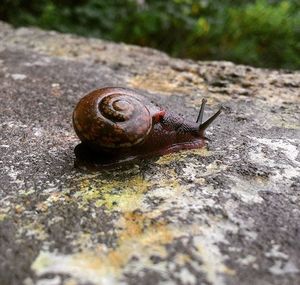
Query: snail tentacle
207	123
201	112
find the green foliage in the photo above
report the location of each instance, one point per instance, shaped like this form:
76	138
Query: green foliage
261	33
269	31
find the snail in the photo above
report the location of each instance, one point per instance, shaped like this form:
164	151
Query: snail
118	124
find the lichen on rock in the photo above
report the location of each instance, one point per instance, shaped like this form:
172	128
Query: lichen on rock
225	214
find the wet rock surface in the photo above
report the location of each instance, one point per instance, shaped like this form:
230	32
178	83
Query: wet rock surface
225	214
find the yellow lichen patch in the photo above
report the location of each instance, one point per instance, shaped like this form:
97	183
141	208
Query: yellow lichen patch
141	232
181	259
4	213
122	195
26	192
228	271
85	266
181	156
139	227
35	230
87	191
3	217
168	81
52	199
141	241
19	209
139	236
171	182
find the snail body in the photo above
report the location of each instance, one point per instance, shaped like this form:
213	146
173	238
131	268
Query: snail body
119	124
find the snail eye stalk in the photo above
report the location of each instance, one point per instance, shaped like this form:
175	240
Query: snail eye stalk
201	112
203	126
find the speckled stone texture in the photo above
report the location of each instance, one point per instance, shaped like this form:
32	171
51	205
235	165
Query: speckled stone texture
227	214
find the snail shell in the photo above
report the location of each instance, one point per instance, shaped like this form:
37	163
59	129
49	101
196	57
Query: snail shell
111	118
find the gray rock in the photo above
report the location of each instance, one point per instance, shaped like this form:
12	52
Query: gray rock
226	214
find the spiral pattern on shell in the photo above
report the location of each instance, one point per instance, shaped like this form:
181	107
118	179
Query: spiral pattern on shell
112	118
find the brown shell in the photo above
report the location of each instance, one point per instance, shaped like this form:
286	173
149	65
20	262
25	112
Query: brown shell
112	118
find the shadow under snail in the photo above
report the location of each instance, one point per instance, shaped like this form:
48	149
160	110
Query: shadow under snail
119	124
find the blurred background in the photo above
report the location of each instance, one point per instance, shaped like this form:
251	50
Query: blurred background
264	33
